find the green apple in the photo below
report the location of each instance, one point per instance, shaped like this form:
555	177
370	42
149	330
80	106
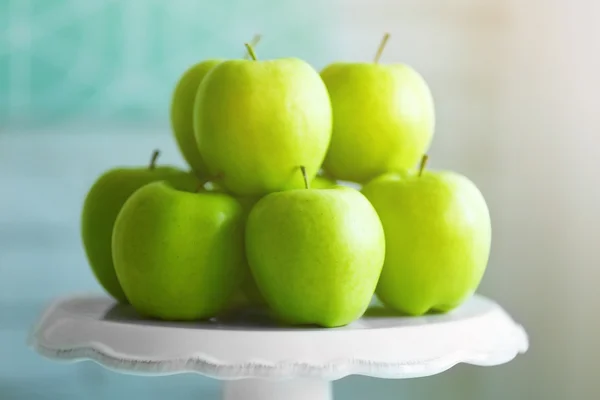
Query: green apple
179	254
323	182
438	237
182	105
101	207
182	109
252	293
256	122
316	254
249	295
383	118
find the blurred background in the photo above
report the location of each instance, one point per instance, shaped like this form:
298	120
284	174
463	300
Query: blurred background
86	85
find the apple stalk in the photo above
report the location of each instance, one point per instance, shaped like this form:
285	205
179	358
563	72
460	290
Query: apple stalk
250	51
253	43
306	184
423	163
384	41
153	159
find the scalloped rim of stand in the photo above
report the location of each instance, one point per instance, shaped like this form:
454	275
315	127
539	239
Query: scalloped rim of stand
204	365
333	369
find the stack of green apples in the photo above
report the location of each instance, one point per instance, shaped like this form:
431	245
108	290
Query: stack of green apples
261	219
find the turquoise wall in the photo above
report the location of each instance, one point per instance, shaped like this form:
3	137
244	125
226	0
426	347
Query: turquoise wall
65	60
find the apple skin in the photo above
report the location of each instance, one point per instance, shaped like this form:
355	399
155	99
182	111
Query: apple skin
256	122
249	295
323	182
179	255
101	207
182	112
438	238
315	254
383	119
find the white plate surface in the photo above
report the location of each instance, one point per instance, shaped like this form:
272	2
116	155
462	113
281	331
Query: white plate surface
380	344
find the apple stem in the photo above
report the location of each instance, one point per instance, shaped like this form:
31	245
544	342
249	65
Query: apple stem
250	51
384	41
423	164
303	169
253	43
155	155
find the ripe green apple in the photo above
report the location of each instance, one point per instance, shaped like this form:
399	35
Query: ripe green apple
179	254
322	182
182	121
316	254
256	122
438	237
182	111
383	118
102	205
248	295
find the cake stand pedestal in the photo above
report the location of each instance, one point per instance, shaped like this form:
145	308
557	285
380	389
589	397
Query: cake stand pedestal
257	359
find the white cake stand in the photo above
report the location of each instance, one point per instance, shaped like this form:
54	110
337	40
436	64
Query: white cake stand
260	360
